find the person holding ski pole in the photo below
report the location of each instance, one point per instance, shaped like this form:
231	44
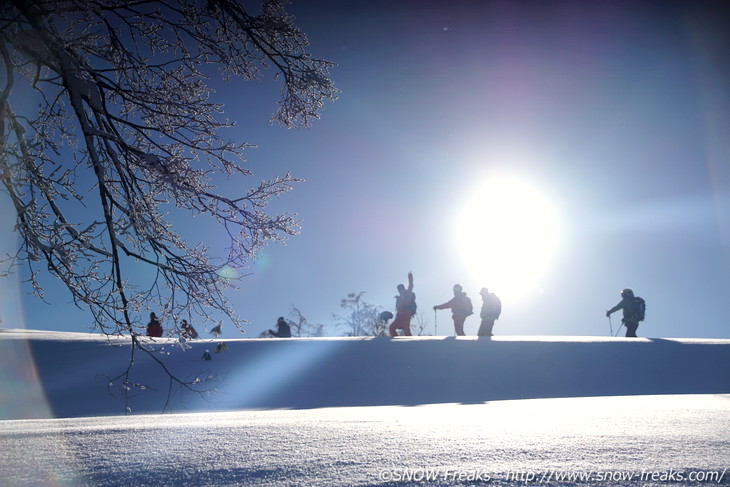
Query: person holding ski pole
283	330
634	308
491	309
405	308
460	306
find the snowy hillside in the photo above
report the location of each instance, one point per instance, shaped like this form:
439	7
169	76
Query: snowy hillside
458	433
55	374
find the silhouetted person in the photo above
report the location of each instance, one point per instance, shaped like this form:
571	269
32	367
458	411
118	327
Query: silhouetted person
154	327
188	330
633	311
491	309
385	316
383	319
460	306
206	355
283	330
405	308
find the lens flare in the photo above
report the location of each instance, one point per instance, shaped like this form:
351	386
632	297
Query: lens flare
227	273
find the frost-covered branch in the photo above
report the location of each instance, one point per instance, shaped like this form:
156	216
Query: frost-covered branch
122	136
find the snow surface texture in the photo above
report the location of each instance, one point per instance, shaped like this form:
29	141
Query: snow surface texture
434	415
56	374
609	441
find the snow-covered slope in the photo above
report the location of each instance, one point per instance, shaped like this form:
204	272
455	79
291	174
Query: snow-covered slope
50	374
636	441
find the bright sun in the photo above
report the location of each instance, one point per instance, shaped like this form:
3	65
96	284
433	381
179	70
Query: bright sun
507	234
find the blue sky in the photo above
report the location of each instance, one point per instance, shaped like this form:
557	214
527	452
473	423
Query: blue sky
616	113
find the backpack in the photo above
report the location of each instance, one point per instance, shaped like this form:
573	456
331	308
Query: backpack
412	306
467	308
640	308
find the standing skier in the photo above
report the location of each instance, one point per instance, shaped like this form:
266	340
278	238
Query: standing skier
405	308
460	306
633	307
491	309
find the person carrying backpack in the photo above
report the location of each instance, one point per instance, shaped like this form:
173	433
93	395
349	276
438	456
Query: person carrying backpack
383	319
405	308
491	309
154	327
634	309
283	330
460	306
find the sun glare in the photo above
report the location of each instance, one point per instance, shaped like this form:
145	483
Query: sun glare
507	234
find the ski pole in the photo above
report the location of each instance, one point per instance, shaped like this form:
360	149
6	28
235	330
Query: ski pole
435	322
610	325
619	329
